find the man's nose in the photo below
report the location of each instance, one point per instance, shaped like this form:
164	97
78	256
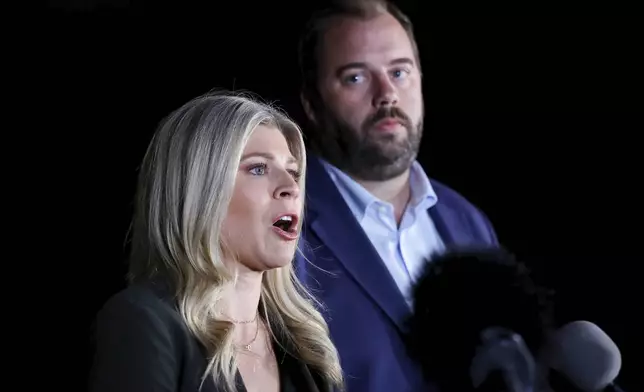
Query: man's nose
386	93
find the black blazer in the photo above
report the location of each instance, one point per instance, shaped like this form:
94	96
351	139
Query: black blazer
142	344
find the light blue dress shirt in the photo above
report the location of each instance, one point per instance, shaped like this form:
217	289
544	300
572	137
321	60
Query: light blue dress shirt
403	248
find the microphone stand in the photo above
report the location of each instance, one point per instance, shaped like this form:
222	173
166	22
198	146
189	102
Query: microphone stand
504	351
612	387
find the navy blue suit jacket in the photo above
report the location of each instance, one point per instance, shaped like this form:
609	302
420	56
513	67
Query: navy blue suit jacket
363	306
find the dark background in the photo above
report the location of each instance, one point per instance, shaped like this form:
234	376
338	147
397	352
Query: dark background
535	117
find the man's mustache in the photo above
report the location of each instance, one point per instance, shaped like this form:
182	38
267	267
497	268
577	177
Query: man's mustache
389	112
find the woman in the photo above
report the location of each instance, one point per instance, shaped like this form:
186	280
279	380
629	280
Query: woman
213	303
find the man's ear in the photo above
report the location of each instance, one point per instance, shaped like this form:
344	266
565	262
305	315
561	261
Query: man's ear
308	110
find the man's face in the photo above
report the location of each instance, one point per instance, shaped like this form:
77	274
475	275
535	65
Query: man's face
371	93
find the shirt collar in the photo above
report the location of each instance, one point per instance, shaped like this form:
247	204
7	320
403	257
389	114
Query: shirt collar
422	192
359	199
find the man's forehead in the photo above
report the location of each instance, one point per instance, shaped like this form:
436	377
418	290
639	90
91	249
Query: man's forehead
350	39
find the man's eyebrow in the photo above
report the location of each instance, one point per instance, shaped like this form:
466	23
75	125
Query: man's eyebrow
353	65
343	68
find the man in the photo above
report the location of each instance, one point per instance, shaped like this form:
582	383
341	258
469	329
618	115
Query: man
373	216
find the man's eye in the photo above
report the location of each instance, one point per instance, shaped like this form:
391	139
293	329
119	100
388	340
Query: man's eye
400	73
353	79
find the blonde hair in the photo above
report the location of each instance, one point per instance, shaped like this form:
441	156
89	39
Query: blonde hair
185	185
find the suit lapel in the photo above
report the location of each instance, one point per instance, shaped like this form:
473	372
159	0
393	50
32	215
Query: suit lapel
308	379
449	224
299	374
333	222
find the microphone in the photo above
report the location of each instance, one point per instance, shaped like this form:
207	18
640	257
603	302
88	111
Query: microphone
586	356
504	351
478	320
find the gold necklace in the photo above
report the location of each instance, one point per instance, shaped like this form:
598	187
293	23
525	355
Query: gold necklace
232	320
248	345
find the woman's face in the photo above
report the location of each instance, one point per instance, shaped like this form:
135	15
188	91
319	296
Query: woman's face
261	225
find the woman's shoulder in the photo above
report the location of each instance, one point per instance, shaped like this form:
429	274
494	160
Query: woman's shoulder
138	338
142	304
141	295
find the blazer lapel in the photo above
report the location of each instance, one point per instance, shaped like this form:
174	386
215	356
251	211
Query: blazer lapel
308	379
299	374
450	226
333	222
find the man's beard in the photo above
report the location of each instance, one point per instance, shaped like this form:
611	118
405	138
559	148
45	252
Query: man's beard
368	154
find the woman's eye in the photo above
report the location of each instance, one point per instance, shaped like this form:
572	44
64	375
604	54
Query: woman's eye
258	170
296	174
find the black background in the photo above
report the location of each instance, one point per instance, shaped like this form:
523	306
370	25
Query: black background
535	117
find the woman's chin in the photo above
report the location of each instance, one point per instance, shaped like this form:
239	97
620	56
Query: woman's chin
273	267
279	261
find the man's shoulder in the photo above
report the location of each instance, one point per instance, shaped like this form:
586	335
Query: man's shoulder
319	182
451	200
450	197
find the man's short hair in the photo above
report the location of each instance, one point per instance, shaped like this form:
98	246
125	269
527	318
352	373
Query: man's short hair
319	23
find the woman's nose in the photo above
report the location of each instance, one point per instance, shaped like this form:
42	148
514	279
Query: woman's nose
289	188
